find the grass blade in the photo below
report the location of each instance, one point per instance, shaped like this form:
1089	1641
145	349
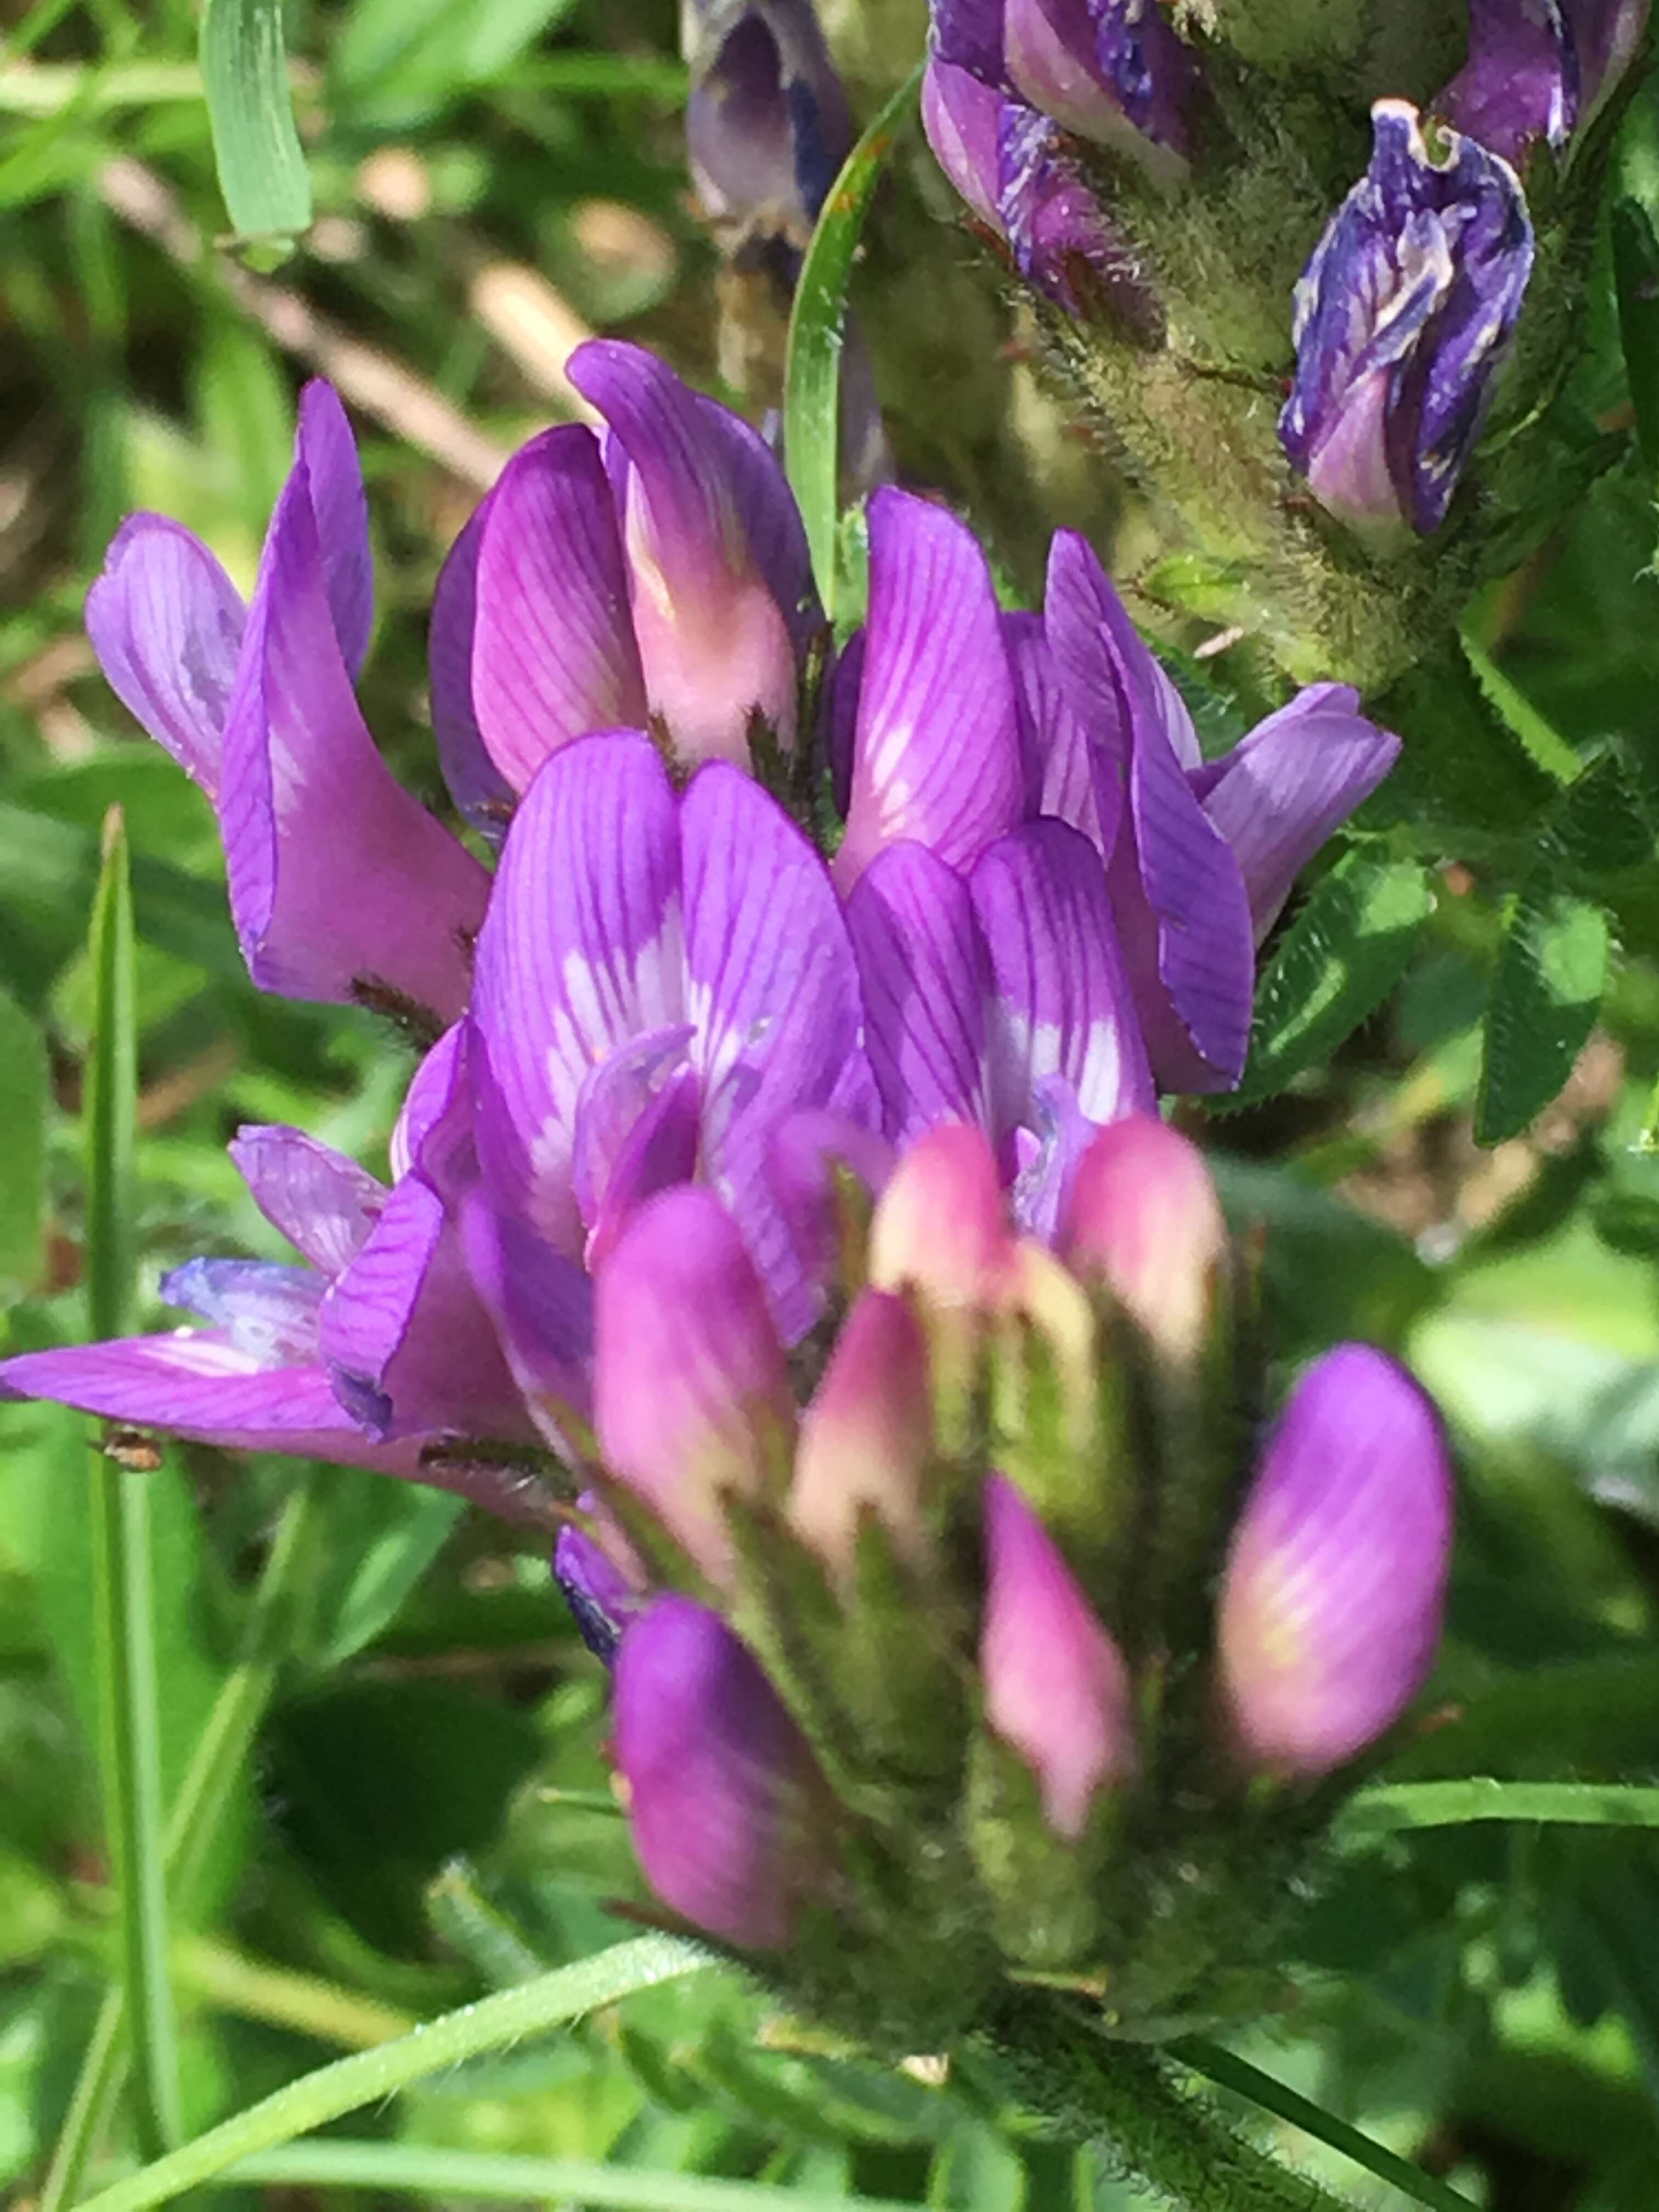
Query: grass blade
129	1749
812	374
368	2077
255	147
1396	1806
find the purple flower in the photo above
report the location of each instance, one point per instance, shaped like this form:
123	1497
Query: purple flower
1056	1686
343	886
1142	1218
1199	855
941	1225
726	1804
1112	70
1536	69
767	125
602	1599
1335	1581
662	979
662	572
1402	318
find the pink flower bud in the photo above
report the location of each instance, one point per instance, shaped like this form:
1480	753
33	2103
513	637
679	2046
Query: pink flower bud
1142	1219
941	1225
691	1396
1057	1687
725	1801
867	1435
1335	1580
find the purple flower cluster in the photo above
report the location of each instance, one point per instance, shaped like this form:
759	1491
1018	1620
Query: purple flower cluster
681	1028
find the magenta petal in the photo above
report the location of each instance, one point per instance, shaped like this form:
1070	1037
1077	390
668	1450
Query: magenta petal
1061	1004
480	791
928	984
1335	1581
338	877
721	1796
936	752
325	447
407	1343
1057	1687
580	953
542	1305
166	622
553	654
962	115
614	1098
1064	778
659	1149
767	517
691	1396
867	1440
323	1203
1277	796
806	1154
432	1130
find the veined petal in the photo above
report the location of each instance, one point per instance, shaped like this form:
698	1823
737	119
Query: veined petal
806	1155
1066	776
659	1150
766	516
936	752
323	1203
339	878
580	953
553	653
928	984
1277	796
166	622
325	449
962	115
433	1129
969	33
480	791
264	1308
542	1305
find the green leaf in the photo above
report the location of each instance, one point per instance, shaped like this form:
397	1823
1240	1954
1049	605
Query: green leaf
1551	974
812	373
1635	274
23	1091
369	2077
397	61
261	169
1394	1805
380	1539
1341	955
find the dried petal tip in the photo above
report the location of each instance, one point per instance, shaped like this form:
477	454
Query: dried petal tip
1402	318
867	1434
724	1798
941	1226
690	1394
1057	1687
1143	1220
1332	1600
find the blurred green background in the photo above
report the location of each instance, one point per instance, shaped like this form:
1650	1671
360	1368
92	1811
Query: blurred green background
420	1812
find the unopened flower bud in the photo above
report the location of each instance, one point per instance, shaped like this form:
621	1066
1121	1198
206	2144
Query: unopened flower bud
1111	70
691	1397
1331	1602
1057	1687
868	1436
1142	1220
1537	69
941	1225
725	1801
1402	318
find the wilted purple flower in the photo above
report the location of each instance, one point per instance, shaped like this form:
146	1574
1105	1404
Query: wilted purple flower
1537	69
726	1804
767	124
1056	1686
343	886
1199	855
1331	1602
663	572
1142	1217
867	1435
1402	317
1112	70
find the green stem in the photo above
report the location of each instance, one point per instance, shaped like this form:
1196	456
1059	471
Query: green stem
1126	2104
197	1816
122	1600
368	2077
1395	1806
234	1982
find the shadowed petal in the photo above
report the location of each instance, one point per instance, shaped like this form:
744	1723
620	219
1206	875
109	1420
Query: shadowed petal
579	954
928	984
553	654
659	1149
337	875
962	115
166	622
325	447
480	791
1067	777
267	1310
807	1156
542	1305
936	752
323	1203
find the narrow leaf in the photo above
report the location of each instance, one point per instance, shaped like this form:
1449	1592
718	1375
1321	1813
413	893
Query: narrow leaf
812	375
1341	955
1385	1810
23	1118
1551	974
261	169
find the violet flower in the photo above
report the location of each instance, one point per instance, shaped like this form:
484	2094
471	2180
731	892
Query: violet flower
1403	316
342	885
767	123
1331	1604
1538	68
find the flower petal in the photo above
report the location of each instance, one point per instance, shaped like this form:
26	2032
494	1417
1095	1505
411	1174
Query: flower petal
323	1203
339	879
325	447
659	1150
1277	796
267	1310
581	952
928	984
542	1305
480	791
936	753
1066	776
553	654
962	115
166	622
